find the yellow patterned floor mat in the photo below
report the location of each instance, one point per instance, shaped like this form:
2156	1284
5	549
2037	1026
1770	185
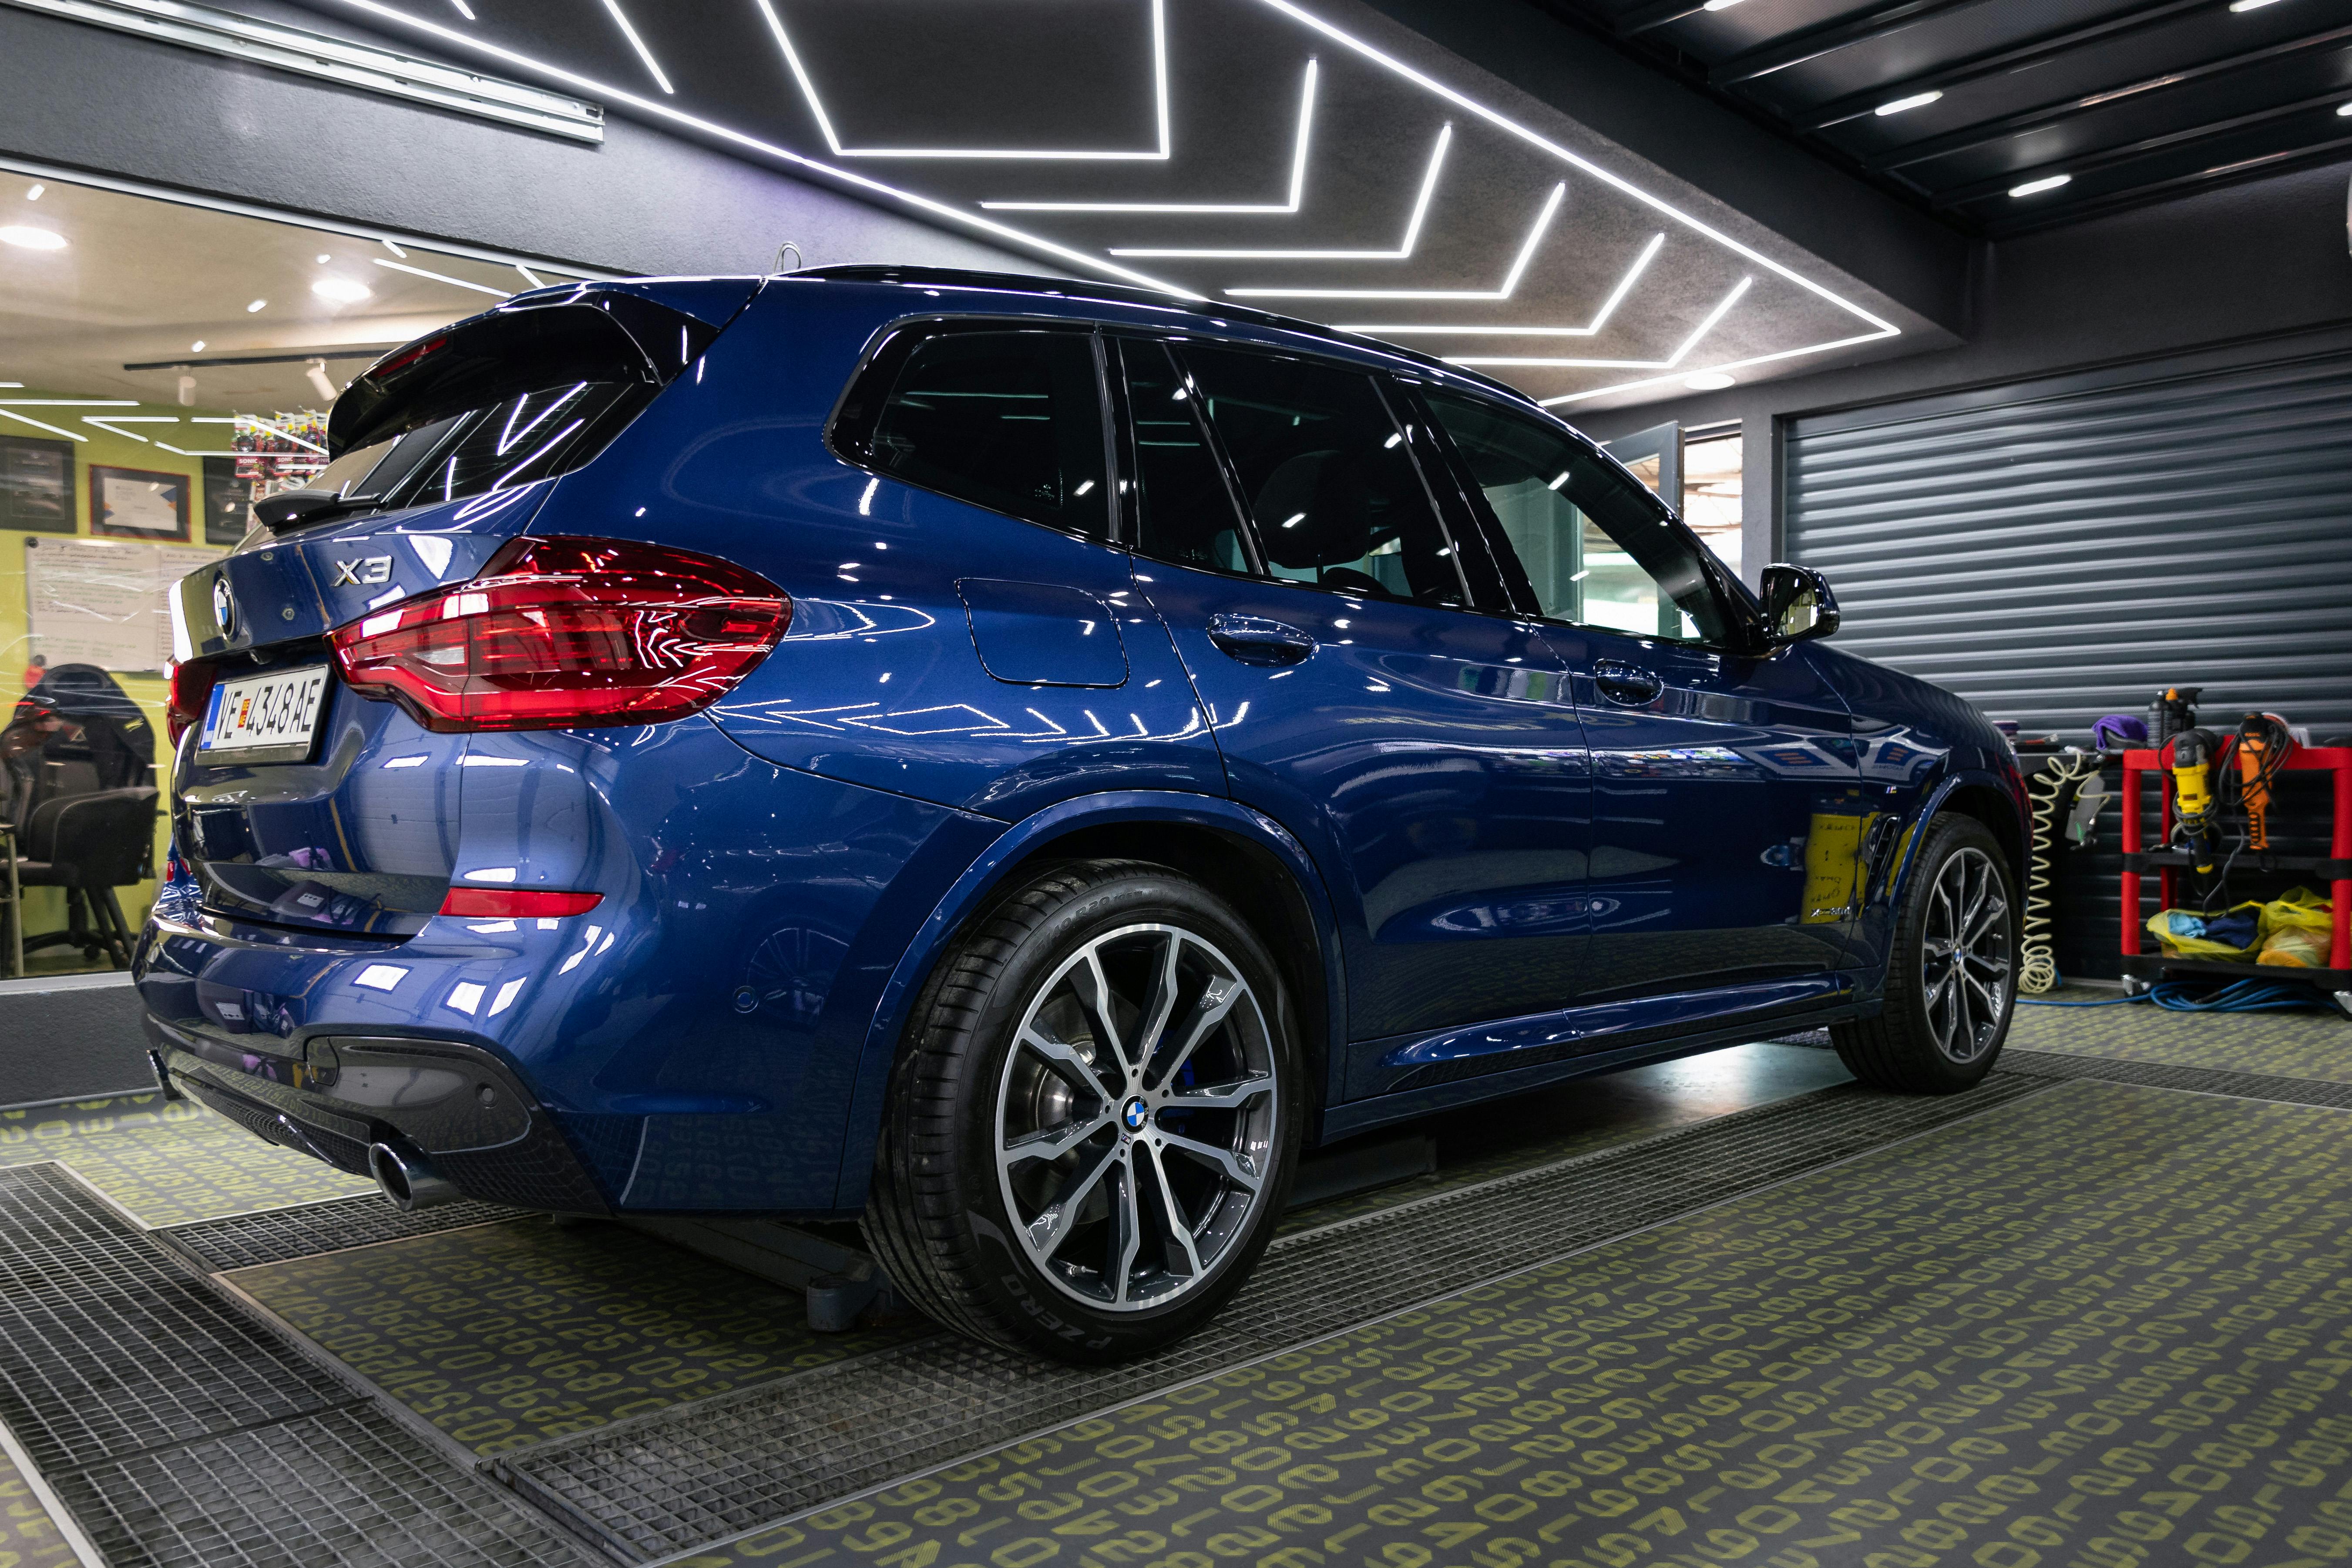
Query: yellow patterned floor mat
2290	1045
2098	1327
169	1162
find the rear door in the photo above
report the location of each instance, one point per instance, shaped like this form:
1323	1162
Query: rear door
1421	747
1728	814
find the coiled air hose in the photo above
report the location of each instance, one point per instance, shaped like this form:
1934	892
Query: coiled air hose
2038	959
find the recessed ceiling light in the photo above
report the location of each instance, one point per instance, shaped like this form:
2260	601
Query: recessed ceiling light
324	258
2344	109
34	194
29	238
1707	381
1917	100
257	305
2035	187
197	347
342	290
1721	5
2250	4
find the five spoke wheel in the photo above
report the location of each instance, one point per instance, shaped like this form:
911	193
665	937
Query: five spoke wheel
1964	954
1136	1117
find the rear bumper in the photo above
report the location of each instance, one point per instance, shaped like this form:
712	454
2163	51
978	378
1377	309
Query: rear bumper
333	1095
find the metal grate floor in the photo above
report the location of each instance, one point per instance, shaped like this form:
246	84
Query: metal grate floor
107	1346
677	1479
180	1430
346	1487
242	1241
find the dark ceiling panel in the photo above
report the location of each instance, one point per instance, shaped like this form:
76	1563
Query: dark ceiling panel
2128	101
1230	150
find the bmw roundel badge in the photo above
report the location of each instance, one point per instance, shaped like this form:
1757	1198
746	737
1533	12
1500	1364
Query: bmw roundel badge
223	607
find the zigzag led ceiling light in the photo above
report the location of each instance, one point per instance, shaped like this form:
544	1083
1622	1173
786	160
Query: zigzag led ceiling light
1246	150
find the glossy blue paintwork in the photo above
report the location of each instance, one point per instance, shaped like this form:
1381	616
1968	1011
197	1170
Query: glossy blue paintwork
287	590
363	840
1495	859
1706	796
1042	633
1433	764
718	996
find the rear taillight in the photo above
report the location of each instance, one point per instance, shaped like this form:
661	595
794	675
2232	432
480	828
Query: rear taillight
516	904
191	689
563	632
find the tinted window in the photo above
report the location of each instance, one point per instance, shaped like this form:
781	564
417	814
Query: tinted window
1325	475
530	436
519	395
1183	511
1011	421
1593	546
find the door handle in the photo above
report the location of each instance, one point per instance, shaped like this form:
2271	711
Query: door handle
1253	639
1626	683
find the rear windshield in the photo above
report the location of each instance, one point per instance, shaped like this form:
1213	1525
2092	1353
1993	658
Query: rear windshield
502	400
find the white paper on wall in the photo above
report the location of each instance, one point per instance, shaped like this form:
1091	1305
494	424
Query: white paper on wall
98	600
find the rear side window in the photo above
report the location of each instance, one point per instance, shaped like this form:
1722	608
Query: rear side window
1183	511
1012	421
1327	476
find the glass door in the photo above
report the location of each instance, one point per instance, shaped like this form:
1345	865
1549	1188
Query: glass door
1655	455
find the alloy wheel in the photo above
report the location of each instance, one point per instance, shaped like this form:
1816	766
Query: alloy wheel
1965	955
1136	1117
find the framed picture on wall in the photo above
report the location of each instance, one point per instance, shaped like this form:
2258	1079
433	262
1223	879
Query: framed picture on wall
132	503
228	501
36	485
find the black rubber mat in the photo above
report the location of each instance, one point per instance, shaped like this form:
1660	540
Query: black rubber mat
243	1241
2199	1081
670	1481
180	1431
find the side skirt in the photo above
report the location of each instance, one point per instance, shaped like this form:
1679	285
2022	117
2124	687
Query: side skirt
1380	1110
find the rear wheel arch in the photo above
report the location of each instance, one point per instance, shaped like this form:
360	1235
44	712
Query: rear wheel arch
1263	891
1240	855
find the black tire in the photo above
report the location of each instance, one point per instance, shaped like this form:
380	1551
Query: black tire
1904	1047
947	1225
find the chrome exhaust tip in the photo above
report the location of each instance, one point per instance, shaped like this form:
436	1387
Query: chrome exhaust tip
407	1179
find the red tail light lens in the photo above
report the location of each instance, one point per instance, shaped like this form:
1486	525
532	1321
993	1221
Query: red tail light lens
557	633
516	904
192	688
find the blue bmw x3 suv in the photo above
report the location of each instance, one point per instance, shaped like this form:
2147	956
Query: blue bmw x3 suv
1014	762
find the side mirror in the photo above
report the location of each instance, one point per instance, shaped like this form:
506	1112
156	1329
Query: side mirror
1797	604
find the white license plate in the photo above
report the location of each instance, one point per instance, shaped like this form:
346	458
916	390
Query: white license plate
265	717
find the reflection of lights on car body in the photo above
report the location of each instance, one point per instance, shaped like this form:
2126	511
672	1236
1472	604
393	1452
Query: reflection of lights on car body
630	822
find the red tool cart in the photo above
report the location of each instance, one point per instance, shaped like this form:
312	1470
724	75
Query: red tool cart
2335	869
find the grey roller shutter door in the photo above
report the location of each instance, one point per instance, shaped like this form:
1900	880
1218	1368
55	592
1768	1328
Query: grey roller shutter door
2055	556
2059	550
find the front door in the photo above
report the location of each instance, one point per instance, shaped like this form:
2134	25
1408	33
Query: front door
1727	816
1422	749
